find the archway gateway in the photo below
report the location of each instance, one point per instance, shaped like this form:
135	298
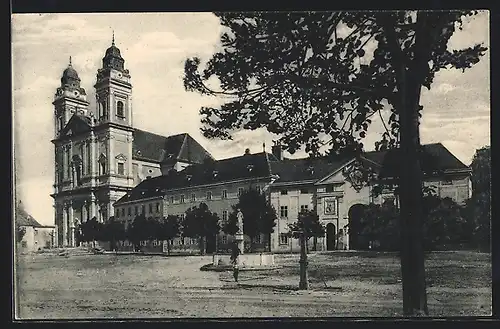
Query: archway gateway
330	236
355	214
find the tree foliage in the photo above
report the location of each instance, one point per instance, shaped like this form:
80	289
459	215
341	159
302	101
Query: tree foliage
113	230
21	232
479	205
308	223
318	78
201	223
377	228
445	226
259	216
169	228
91	230
139	230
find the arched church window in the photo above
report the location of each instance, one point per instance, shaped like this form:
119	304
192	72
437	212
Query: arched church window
119	109
102	110
121	168
61	123
102	164
77	165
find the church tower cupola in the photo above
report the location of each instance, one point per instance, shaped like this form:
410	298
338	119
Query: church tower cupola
113	89
113	58
70	84
70	98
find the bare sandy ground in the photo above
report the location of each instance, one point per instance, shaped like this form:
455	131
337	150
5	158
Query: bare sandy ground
133	286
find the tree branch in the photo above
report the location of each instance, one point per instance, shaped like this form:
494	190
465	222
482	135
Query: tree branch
383	122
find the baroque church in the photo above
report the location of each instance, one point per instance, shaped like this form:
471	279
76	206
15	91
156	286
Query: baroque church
99	155
105	167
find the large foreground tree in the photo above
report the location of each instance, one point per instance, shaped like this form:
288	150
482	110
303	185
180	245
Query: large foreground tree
316	79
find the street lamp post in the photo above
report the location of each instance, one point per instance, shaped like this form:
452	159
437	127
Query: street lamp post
303	284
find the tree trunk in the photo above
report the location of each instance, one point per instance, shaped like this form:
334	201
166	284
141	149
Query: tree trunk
269	244
169	241
303	283
315	241
409	78
202	245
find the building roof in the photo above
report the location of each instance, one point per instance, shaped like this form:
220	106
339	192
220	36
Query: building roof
435	157
25	219
153	147
209	172
296	170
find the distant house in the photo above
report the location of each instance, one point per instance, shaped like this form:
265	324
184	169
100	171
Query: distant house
36	236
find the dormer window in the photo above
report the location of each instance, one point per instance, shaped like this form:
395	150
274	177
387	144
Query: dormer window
310	170
188	177
250	167
215	173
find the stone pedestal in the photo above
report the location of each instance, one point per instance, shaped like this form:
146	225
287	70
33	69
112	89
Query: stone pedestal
240	241
245	261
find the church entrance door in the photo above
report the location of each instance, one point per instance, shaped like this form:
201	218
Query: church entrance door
330	236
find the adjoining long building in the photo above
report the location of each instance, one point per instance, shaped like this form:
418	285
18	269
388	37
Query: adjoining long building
331	187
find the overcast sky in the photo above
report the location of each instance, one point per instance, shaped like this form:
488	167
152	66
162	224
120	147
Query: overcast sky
154	46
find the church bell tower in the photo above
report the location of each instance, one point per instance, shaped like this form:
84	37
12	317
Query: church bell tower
113	130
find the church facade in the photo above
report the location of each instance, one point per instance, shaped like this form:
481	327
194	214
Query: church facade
99	155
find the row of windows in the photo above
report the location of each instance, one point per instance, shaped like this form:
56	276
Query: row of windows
120	212
103	110
209	195
120	166
302	191
284	210
328	188
152	208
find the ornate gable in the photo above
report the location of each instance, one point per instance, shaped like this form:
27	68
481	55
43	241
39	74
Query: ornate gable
359	174
121	157
356	172
75	126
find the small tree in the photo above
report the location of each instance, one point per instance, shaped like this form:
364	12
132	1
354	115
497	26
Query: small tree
378	227
169	229
444	223
479	206
138	231
91	230
113	230
21	232
307	222
200	223
259	216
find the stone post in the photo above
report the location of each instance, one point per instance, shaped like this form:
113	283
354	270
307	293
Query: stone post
303	284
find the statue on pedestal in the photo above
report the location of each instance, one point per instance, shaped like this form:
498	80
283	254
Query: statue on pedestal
239	217
239	236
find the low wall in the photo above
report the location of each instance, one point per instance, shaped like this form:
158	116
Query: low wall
246	260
